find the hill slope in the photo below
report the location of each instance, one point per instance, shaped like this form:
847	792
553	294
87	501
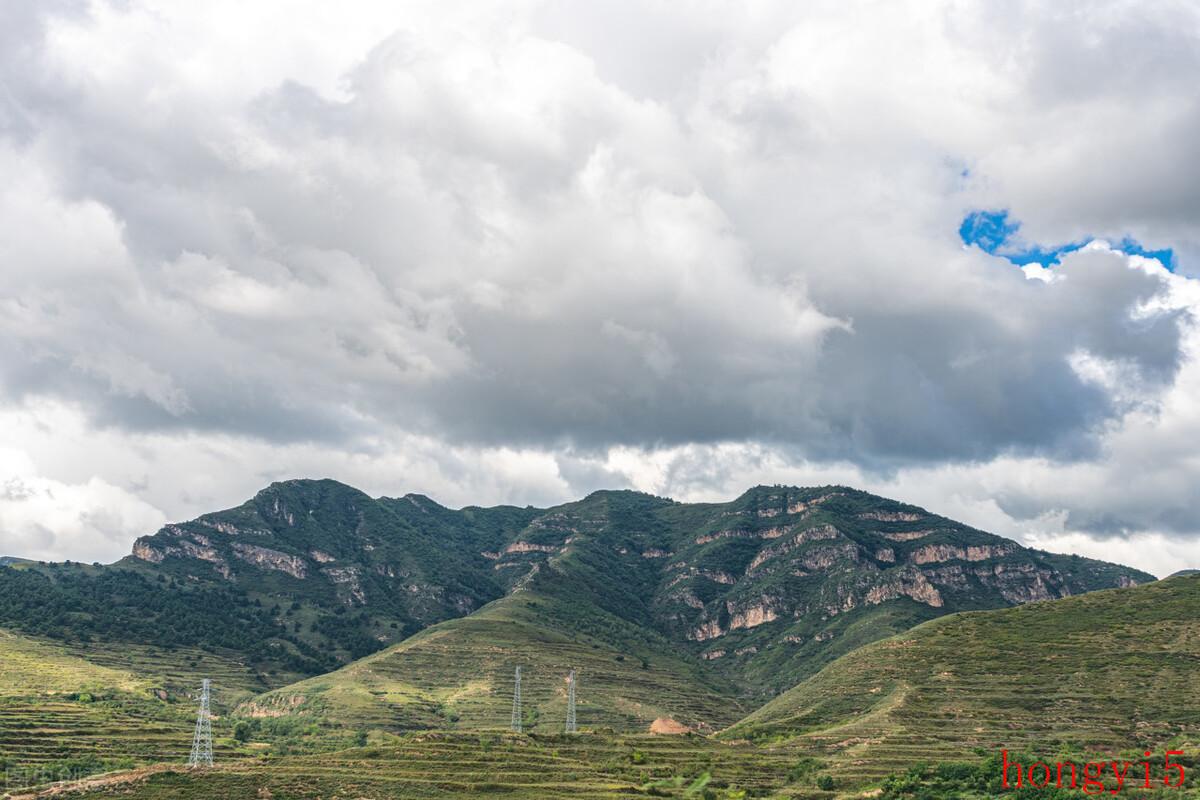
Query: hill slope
309	575
1108	673
61	714
460	674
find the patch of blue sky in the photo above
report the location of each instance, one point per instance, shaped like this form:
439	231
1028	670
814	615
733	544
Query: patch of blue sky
996	233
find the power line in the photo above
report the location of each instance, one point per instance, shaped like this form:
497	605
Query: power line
571	703
516	709
202	751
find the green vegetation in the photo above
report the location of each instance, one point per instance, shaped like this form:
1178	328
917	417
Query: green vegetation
329	620
984	778
459	675
508	765
308	576
921	715
1101	674
84	605
60	714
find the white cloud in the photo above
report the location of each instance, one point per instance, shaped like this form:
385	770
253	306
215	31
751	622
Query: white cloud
512	252
42	518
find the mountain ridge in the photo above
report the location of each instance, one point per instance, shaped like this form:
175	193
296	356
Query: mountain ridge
763	589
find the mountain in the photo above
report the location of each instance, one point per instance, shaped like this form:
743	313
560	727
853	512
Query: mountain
764	590
325	616
1109	674
761	592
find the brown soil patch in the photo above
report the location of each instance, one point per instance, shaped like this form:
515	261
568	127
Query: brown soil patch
668	726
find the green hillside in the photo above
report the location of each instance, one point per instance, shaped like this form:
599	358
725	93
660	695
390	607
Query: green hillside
324	615
1108	673
61	714
308	576
33	668
460	674
69	709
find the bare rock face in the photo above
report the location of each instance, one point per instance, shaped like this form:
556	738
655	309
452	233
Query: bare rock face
530	547
349	578
813	534
224	527
180	545
799	506
826	557
890	516
937	553
716	576
275	706
267	558
906	536
729	534
912	584
688	598
705	631
146	552
753	616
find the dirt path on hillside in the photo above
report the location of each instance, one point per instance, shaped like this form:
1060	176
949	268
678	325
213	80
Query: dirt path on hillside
96	782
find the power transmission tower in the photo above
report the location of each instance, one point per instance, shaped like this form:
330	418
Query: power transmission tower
571	703
516	712
202	755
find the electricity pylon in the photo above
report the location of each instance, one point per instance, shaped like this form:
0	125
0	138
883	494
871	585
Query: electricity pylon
571	703
516	712
202	755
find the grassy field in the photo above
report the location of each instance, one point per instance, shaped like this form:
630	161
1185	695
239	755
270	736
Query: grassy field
1110	673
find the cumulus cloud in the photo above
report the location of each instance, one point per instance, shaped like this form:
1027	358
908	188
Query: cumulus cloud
534	249
46	519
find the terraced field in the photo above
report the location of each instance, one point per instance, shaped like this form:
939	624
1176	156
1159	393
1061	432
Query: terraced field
1107	673
63	715
517	766
459	675
177	670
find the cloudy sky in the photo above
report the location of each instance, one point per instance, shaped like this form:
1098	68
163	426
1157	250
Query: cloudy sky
945	251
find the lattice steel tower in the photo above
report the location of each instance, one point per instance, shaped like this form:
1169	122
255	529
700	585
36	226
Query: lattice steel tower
516	712
202	755
571	703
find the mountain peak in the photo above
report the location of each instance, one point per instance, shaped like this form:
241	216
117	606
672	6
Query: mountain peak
765	587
